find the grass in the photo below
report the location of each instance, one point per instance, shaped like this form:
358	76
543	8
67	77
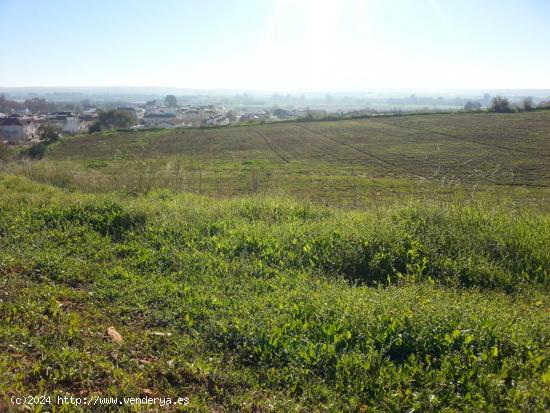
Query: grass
496	148
273	305
500	159
415	295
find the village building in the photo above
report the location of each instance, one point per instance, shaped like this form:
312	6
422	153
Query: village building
216	120
162	120
68	122
17	129
156	110
73	125
248	117
192	117
86	120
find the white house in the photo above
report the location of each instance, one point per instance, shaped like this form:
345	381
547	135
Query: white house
68	122
16	129
73	125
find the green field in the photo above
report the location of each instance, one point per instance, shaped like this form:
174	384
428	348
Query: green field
503	158
388	264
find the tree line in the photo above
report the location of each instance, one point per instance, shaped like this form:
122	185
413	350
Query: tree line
501	104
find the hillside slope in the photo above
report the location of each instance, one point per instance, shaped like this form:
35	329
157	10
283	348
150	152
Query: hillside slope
265	304
472	148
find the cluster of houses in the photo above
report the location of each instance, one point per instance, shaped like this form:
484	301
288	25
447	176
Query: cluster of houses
22	126
156	116
197	116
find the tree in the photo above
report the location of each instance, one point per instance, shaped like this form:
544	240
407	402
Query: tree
116	119
7	105
500	105
308	116
86	104
170	101
36	105
94	127
471	105
231	116
527	103
48	133
282	113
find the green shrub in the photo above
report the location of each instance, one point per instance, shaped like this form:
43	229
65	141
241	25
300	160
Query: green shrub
4	152
94	127
36	151
107	218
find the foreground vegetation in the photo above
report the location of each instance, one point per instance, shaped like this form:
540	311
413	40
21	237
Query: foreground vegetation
411	275
265	304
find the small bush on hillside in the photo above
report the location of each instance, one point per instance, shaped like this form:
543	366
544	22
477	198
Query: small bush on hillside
36	151
94	127
4	152
109	219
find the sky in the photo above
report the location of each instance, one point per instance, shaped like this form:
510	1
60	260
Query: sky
277	45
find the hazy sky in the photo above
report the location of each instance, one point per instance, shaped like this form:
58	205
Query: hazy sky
281	45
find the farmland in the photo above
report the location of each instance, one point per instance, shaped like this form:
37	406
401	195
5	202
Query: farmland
344	164
383	264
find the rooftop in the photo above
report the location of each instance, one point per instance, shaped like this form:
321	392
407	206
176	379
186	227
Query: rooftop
12	121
